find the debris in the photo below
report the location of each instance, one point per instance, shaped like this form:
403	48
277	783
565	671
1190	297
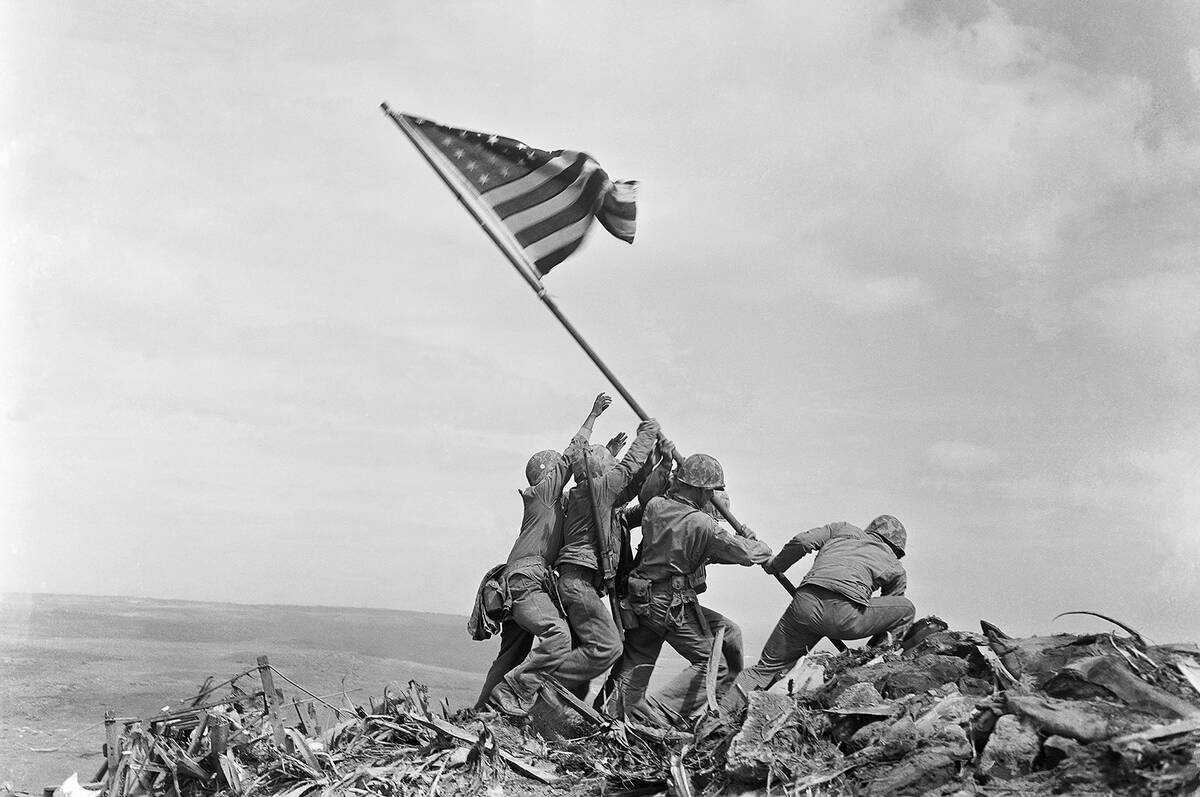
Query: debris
953	713
1136	636
862	699
1111	674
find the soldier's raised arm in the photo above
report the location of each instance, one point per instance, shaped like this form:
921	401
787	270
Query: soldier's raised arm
798	547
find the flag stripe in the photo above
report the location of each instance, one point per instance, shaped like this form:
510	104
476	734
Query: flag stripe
518	222
544	264
583	207
511	190
540	193
557	240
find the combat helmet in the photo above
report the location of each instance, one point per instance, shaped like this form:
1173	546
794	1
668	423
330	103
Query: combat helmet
539	465
703	471
600	460
891	531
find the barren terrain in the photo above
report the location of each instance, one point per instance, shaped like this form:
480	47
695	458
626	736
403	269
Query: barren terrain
64	660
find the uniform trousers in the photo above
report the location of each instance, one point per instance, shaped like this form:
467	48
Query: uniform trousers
598	642
816	612
680	627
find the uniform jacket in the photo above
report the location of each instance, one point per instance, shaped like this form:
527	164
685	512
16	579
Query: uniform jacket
849	561
613	489
541	534
678	539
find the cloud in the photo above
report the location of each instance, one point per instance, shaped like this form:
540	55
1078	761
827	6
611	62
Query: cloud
959	455
1155	312
1193	64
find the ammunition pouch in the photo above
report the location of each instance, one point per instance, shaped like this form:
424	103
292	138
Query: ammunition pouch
637	594
629	616
496	604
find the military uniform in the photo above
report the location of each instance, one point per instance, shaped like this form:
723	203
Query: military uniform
678	540
530	589
834	599
580	585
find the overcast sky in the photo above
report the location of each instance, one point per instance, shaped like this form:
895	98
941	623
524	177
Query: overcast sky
935	260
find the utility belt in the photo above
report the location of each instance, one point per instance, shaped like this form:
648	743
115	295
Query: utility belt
497	592
591	575
640	592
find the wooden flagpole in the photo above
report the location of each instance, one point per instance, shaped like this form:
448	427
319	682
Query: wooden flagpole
527	271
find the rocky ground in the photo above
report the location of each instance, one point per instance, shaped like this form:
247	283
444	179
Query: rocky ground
943	712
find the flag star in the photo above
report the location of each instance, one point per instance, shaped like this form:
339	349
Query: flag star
471	166
493	139
447	141
458	153
504	172
483	178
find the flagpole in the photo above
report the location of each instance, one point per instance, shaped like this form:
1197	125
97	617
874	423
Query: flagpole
525	269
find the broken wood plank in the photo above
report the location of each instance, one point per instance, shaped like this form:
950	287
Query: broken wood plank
1161	731
272	698
586	711
712	670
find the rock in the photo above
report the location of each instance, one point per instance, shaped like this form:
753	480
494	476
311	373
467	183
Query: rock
749	757
1010	749
1113	675
1038	659
924	672
805	678
953	709
867	735
898	739
1057	749
1071	718
862	698
917	774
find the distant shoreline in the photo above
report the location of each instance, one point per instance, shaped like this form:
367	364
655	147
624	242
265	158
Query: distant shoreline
5	595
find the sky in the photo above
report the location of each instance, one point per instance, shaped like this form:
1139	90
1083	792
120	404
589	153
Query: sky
937	260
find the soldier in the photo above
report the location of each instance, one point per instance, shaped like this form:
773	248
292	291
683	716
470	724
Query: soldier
678	539
528	580
834	599
583	578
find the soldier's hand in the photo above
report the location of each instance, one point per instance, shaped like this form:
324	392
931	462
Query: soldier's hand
666	448
747	533
769	565
603	401
649	425
617	443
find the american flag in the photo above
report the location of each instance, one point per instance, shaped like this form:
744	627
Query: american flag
545	200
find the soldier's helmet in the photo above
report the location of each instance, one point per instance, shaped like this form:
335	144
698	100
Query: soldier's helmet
599	458
701	470
890	531
540	464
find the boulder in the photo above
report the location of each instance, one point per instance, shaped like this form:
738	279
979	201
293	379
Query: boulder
750	756
1010	749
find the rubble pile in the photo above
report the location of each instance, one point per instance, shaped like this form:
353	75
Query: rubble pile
953	712
942	712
